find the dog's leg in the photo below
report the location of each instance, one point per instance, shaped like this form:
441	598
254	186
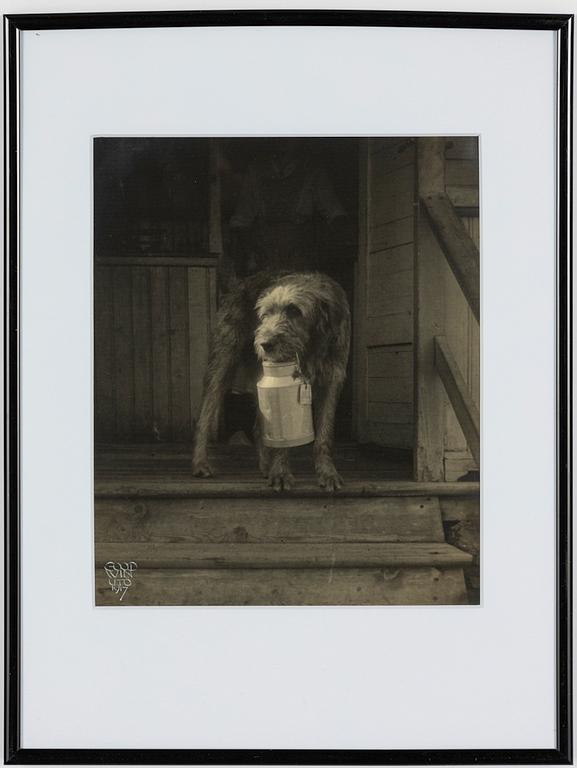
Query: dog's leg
326	403
263	451
279	476
223	360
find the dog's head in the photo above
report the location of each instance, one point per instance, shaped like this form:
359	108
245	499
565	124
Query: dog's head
286	315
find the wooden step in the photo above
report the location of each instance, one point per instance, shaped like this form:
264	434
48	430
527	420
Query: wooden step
332	519
288	586
252	556
185	486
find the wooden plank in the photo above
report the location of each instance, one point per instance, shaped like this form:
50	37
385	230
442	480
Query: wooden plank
393	154
462	147
359	328
158	260
285	555
346	586
224	488
389	329
387	302
464	197
456	328
391	390
461	252
462	173
461	400
199	322
141	319
430	412
471	224
332	519
214	206
460	508
397	183
391	413
390	361
391	435
123	351
181	427
456	468
104	394
394	207
392	234
431	160
389	293
160	353
391	260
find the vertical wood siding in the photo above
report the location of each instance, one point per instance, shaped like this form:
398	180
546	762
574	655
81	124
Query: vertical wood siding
151	336
461	327
463	335
389	292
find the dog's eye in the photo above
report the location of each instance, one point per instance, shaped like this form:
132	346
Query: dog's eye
292	311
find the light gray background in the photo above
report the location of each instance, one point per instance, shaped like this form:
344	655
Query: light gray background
290	677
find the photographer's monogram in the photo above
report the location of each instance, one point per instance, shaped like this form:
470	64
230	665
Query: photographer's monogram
120	576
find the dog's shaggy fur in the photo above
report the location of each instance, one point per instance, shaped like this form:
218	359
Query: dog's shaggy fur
281	317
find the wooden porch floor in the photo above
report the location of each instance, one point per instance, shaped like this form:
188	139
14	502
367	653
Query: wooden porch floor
129	470
170	465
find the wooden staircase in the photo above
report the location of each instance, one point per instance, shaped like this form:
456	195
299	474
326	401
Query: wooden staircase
235	542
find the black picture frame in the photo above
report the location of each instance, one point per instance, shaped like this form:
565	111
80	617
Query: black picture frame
562	25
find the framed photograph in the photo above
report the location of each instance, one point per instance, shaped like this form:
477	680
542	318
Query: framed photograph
287	366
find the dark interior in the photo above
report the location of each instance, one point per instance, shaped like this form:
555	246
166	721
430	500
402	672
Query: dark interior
152	199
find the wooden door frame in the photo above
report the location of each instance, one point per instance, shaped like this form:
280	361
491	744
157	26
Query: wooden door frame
359	367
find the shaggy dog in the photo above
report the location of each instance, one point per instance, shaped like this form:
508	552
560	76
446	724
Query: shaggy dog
281	317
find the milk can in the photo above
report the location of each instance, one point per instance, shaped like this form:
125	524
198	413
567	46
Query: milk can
285	405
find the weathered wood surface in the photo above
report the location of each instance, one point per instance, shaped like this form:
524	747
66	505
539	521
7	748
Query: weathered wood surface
393	234
322	586
386	263
462	148
463	404
465	199
287	555
156	260
460	508
393	329
431	159
160	343
462	172
141	323
151	335
241	487
404	519
463	338
359	330
430	431
104	390
458	246
215	204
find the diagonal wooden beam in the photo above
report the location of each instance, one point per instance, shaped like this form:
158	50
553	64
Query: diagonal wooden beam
458	246
463	404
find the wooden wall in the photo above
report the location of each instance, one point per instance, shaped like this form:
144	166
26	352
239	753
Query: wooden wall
152	323
387	403
463	335
461	327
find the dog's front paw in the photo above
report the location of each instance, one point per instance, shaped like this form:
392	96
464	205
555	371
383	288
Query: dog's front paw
202	468
329	478
280	480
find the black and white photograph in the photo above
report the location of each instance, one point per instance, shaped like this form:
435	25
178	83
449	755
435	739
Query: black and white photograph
286	370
